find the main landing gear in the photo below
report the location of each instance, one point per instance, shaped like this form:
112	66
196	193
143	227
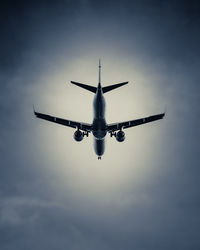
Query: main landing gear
85	133
112	134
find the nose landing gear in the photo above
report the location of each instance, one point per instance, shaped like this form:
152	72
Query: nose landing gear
99	157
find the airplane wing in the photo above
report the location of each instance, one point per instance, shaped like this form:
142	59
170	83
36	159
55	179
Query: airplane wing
73	124
128	124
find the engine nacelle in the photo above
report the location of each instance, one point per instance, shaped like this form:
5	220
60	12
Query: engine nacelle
78	135
120	136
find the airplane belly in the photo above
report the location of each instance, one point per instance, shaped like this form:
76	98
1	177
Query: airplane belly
99	146
99	134
99	107
99	128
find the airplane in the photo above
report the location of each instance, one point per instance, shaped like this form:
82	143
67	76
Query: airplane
99	127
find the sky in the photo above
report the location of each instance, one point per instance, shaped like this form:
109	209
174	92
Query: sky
144	193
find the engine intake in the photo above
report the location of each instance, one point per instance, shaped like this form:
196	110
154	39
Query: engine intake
120	136
78	135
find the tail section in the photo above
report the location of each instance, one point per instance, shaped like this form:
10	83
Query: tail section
85	86
114	86
94	89
88	87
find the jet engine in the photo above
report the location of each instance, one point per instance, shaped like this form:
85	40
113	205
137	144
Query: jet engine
78	135
120	136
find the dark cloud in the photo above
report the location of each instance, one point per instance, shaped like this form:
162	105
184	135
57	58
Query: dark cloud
155	41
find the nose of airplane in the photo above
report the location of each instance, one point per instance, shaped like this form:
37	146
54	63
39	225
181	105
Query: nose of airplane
99	147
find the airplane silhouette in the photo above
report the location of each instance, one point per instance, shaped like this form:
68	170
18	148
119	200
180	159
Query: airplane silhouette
99	127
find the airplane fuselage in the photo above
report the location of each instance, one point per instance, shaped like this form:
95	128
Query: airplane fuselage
99	127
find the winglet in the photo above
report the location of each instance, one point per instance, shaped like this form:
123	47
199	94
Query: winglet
165	110
33	109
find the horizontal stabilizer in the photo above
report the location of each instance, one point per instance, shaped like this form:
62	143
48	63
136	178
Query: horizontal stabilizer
84	86
114	86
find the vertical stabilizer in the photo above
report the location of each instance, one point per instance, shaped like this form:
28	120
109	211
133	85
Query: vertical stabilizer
99	71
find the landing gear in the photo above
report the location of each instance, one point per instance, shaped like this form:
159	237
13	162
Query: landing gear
99	157
112	134
85	133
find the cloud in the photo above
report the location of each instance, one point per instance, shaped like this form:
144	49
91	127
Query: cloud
21	210
144	194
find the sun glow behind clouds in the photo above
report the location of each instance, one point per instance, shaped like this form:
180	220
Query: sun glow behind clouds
75	163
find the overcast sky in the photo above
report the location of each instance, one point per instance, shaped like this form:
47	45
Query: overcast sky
144	193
